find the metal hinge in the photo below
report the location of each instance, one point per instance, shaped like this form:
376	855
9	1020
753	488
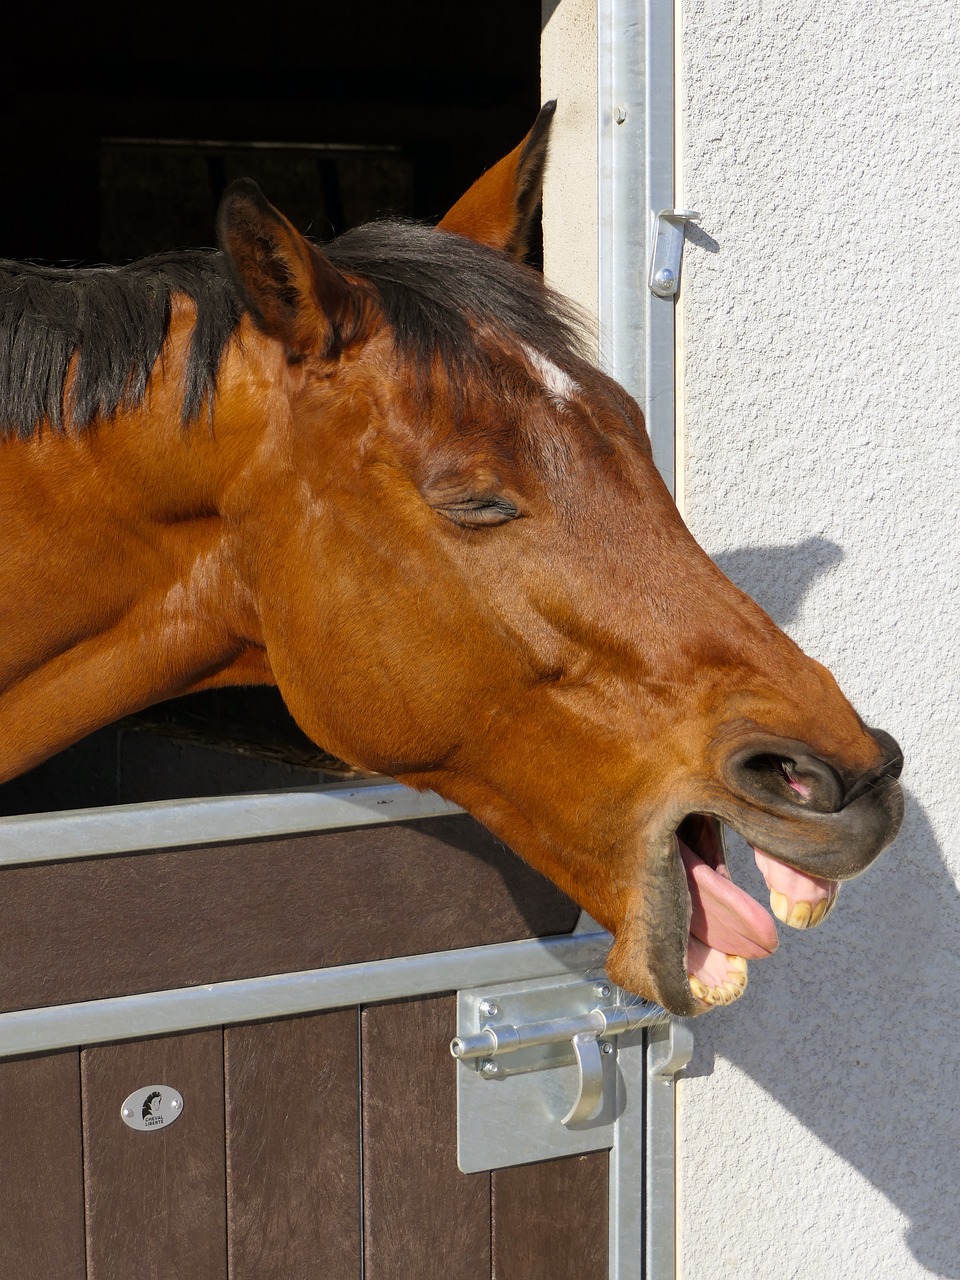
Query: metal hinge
538	1071
667	257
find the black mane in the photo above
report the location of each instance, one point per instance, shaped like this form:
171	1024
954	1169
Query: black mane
116	320
435	289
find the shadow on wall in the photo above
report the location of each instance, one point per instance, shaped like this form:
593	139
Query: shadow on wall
778	578
840	1026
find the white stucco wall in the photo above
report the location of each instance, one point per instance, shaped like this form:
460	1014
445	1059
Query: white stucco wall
820	1117
568	67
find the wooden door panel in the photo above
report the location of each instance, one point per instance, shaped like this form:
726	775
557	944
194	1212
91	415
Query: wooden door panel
423	1218
293	1148
41	1169
550	1220
260	1176
98	927
275	1192
155	1201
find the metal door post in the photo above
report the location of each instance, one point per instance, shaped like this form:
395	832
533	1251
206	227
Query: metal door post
636	149
637	345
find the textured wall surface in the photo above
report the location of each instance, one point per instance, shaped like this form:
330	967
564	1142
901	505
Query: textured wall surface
568	53
820	1117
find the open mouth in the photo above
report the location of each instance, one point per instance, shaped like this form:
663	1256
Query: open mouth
727	927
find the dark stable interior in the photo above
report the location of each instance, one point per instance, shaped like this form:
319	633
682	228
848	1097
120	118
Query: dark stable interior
121	126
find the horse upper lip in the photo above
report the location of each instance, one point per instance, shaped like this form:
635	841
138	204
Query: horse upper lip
837	845
890	767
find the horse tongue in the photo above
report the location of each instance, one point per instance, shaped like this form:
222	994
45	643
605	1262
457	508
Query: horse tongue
797	899
724	917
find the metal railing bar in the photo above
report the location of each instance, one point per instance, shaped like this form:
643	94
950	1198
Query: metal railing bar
166	824
282	995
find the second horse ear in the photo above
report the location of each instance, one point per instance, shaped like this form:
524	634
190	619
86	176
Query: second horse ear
499	207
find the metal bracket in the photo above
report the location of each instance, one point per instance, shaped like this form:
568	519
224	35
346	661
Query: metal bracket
665	261
538	1074
669	1051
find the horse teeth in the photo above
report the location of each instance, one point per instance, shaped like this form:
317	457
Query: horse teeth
799	917
736	984
728	991
819	911
779	905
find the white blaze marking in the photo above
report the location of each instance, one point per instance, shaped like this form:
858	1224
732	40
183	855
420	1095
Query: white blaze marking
557	384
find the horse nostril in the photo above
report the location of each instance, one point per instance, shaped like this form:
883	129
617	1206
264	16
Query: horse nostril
799	779
783	770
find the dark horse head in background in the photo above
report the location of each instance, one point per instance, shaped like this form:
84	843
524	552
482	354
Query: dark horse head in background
383	475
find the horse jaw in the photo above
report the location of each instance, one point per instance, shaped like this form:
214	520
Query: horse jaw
649	953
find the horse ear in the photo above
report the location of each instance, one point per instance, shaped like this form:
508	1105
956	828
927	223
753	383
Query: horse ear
293	292
499	207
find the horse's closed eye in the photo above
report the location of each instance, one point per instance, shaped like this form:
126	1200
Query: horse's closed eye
474	513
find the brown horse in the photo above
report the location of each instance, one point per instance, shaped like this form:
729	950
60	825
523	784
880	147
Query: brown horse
383	476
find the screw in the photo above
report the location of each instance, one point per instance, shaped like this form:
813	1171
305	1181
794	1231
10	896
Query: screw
602	990
127	1112
619	114
489	1069
489	1009
175	1105
665	280
606	1046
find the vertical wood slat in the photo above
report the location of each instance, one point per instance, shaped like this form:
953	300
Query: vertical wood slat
423	1218
155	1200
293	1148
41	1171
550	1219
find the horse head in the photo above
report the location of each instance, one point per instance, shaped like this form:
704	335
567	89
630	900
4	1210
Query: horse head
469	575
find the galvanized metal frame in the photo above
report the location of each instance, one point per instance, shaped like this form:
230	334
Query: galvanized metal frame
170	824
285	994
643	1133
636	155
636	147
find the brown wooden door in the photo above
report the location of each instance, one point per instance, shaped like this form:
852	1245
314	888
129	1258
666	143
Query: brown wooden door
308	1147
321	1146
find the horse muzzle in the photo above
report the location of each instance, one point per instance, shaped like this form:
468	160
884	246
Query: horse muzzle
688	930
809	813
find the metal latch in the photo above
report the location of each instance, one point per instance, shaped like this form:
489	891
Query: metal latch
587	1034
668	234
538	1074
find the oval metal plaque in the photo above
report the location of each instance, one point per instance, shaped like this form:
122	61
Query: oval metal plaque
155	1106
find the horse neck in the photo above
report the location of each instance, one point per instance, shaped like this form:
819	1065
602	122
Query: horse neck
121	579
